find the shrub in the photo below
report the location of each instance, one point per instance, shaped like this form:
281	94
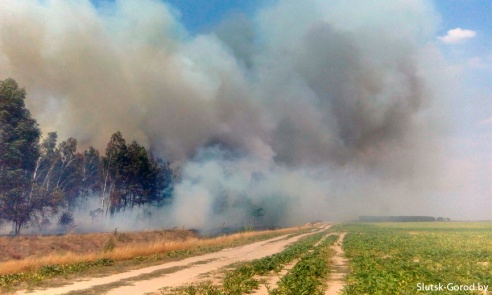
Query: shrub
66	219
109	245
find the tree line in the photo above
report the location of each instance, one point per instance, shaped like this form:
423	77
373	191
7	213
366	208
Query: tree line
41	177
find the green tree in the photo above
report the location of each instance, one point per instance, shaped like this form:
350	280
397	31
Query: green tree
19	153
149	179
44	173
132	176
39	178
91	172
114	178
162	183
46	162
70	171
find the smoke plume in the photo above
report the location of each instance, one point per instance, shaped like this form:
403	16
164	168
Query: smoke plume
306	110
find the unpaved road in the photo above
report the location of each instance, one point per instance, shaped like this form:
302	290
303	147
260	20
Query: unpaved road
174	274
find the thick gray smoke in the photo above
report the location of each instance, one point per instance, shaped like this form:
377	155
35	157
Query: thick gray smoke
308	110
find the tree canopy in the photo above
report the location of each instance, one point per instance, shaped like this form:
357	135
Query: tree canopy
19	152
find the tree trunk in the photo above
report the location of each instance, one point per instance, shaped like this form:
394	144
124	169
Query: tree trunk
17	227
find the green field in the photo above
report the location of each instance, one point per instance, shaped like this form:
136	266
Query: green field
418	258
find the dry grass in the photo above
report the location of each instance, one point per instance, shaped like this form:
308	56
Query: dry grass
89	247
21	247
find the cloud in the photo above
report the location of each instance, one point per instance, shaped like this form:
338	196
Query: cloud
457	35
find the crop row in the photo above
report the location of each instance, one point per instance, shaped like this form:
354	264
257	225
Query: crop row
310	273
395	259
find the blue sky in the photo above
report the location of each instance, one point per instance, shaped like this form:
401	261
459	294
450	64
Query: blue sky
199	15
473	56
471	14
471	126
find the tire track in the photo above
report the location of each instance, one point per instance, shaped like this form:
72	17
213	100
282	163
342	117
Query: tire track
337	279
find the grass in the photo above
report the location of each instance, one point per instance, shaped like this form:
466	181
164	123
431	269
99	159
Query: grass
18	248
392	258
37	271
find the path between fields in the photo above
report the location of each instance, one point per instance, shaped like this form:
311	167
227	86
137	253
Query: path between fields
336	280
180	272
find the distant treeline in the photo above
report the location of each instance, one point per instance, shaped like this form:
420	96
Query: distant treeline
41	178
401	219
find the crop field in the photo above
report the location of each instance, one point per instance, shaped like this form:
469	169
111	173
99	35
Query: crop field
419	258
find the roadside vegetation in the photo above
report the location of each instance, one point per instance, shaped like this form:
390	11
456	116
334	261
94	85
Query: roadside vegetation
116	256
393	258
307	275
37	247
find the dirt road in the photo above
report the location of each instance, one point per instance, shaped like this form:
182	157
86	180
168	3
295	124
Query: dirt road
173	274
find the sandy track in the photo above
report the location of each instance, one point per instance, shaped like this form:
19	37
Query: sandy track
336	281
180	272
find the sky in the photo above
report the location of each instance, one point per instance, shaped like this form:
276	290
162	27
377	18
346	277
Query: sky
200	16
470	56
309	109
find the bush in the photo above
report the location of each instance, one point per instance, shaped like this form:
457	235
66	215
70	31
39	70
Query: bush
109	245
66	219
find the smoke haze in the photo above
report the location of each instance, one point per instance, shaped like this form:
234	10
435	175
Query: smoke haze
306	110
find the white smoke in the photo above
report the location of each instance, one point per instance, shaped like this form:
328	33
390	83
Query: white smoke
308	110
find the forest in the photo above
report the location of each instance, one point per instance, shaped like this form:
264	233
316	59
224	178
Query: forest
42	178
